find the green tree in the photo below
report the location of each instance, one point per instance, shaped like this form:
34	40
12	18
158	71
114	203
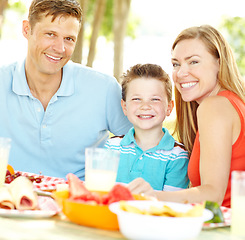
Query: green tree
234	27
15	5
107	23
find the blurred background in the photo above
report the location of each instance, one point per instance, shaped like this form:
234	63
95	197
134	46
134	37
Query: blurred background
117	34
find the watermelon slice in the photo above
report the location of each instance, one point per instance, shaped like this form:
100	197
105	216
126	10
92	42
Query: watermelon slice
118	193
78	191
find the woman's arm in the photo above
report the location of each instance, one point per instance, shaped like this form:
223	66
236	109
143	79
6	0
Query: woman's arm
218	124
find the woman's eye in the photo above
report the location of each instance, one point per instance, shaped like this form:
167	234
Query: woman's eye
194	62
175	64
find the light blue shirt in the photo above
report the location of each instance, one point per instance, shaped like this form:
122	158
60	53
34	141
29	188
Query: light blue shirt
53	141
164	166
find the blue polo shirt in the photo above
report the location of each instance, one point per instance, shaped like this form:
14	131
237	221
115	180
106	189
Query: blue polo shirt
164	166
53	141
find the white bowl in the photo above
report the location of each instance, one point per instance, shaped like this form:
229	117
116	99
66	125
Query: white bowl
139	227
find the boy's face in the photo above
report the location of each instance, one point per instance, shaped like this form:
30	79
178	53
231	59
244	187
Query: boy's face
50	44
146	103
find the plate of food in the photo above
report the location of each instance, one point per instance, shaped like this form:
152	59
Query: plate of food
47	207
40	182
19	199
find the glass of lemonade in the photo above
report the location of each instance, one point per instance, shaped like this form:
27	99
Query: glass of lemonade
238	203
5	144
101	166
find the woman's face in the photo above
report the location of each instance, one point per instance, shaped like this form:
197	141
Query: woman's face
195	70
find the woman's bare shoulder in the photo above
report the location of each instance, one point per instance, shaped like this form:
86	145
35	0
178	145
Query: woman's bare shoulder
216	106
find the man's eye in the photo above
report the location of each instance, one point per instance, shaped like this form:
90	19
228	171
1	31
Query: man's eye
50	34
70	39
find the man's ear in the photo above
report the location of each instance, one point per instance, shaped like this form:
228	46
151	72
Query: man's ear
124	107
26	28
170	107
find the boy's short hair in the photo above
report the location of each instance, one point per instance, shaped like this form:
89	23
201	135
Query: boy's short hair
147	71
55	8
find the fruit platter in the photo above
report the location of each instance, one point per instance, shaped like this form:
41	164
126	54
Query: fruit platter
91	209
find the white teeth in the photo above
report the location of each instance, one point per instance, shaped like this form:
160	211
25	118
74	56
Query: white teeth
145	116
54	58
187	85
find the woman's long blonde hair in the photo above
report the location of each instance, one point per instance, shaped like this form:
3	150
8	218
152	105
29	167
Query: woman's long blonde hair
229	78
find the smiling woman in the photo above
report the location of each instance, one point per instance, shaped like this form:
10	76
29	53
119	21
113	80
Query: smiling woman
210	109
194	67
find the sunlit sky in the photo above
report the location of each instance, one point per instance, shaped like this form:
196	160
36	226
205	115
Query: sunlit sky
160	22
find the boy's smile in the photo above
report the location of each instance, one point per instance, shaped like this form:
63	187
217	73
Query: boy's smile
146	103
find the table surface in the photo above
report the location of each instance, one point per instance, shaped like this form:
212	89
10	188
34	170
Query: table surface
59	227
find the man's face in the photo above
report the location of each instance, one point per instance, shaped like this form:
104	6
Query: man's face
50	44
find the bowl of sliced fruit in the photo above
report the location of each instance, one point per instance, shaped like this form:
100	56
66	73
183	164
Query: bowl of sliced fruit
91	208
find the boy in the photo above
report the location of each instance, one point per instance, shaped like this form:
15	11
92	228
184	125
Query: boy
148	150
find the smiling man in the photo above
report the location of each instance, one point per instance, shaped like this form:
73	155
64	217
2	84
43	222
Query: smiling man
52	108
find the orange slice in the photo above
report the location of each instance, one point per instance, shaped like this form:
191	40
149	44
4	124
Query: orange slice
10	168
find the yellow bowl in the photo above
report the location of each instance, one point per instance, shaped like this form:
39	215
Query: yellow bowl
98	216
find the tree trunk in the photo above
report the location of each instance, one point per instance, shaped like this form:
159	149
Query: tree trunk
78	52
121	11
98	17
3	6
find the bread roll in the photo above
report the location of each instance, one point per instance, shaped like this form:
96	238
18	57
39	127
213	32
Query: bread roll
24	198
6	200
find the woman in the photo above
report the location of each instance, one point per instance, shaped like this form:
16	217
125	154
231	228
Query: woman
210	106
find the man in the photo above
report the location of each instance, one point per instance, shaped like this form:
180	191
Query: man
52	108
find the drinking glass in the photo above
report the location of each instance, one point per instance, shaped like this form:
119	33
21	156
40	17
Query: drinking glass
101	166
238	203
5	144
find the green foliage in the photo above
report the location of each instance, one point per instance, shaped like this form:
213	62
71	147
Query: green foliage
107	24
18	6
235	29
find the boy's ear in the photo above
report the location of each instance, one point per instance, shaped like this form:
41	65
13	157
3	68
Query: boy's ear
170	107
124	108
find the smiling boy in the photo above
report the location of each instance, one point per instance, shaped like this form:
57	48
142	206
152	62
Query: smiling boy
148	151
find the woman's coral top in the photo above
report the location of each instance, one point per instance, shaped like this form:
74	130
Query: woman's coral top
238	149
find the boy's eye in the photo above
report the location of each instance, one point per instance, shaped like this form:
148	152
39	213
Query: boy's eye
156	99
135	99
